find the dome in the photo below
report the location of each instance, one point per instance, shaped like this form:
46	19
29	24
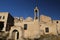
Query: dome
29	19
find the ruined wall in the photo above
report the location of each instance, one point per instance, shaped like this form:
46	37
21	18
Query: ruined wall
47	22
57	23
45	19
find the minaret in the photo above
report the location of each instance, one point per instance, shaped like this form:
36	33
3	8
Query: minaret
36	12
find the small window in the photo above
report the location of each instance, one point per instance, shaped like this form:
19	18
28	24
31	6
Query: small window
3	17
57	22
25	26
0	17
36	17
36	11
47	29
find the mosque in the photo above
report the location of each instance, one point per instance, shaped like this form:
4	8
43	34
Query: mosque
18	28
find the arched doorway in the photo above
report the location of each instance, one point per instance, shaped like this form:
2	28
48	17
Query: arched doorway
15	34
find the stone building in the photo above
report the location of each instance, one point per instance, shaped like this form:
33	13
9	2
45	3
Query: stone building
20	28
6	21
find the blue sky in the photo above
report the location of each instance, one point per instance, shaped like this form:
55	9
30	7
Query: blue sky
25	8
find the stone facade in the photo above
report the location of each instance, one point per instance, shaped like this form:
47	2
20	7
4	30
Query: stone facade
20	28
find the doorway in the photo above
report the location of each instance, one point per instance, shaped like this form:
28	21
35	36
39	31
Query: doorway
1	25
15	34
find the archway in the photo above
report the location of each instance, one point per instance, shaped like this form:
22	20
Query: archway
15	34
